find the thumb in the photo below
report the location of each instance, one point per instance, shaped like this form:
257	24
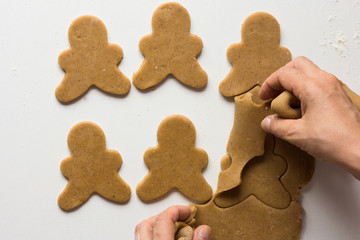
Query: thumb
202	233
285	129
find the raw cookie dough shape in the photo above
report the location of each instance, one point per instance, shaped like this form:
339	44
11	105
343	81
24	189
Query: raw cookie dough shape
250	220
256	56
184	229
246	139
170	49
261	178
91	168
90	61
300	167
286	105
175	163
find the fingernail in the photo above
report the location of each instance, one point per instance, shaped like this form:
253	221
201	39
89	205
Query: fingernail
266	124
204	233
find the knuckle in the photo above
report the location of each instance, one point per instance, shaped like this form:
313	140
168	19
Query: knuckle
299	60
138	227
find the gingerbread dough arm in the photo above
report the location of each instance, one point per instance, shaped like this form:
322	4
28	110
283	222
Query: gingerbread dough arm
116	53
233	52
65	91
203	158
64	58
113	160
195	44
66	167
145	44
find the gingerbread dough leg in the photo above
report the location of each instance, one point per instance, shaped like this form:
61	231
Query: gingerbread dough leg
202	190
190	73
66	91
233	84
149	75
145	189
114	84
114	189
73	196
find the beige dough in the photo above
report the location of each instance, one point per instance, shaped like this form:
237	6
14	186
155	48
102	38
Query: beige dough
286	105
300	167
256	56
175	163
261	178
250	220
184	229
90	61
91	168
246	139
170	49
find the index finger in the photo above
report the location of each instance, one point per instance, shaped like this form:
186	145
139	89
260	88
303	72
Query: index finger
164	225
286	78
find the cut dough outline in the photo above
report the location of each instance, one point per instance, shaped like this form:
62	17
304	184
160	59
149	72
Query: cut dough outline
170	50
272	145
90	62
91	168
175	163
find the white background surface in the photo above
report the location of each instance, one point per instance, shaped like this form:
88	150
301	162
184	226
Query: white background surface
34	125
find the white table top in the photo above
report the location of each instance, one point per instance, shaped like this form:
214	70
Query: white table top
34	125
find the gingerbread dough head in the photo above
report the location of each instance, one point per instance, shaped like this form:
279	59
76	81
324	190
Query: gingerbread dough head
256	56
87	30
91	168
171	17
175	163
260	28
177	133
86	138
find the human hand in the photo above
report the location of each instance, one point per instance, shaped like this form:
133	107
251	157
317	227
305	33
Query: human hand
329	128
162	226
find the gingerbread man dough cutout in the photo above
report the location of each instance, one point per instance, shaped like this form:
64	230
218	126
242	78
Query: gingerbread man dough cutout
175	163
90	61
256	56
170	49
261	178
91	168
